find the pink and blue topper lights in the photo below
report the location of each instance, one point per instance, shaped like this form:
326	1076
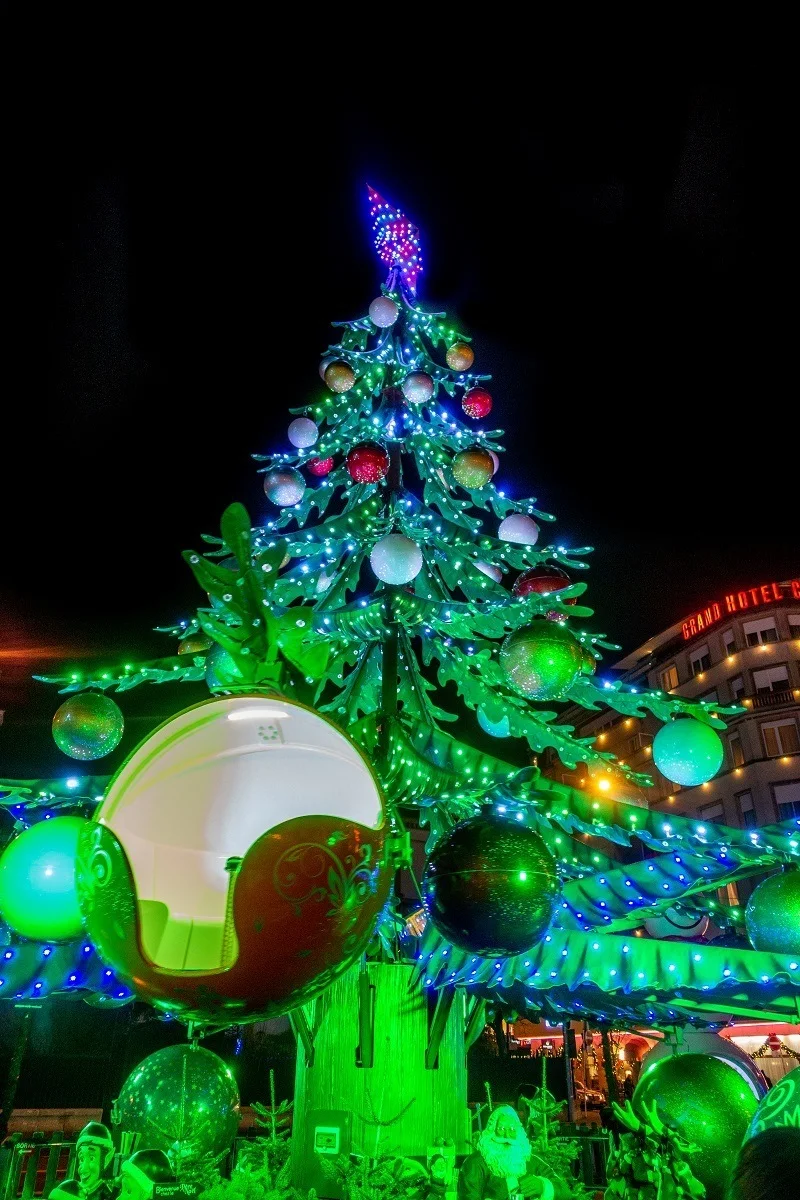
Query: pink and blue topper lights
397	242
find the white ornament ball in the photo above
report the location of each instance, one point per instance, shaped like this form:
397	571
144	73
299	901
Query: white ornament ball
396	559
489	569
323	366
284	487
495	460
303	432
519	528
417	387
383	312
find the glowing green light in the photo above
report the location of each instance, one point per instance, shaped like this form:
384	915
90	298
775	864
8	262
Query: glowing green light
38	897
523	875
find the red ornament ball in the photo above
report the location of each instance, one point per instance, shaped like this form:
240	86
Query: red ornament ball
542	580
340	376
368	462
320	466
460	357
477	403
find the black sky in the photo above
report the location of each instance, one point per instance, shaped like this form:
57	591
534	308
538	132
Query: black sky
172	281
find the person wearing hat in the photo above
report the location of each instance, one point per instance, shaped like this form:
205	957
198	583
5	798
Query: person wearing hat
142	1171
94	1151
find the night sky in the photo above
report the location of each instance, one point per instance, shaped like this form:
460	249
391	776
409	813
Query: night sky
172	281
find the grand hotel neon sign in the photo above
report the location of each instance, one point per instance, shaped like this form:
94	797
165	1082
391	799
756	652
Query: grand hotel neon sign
736	602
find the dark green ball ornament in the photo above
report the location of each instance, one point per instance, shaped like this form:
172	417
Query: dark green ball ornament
708	1103
490	886
88	725
780	1108
542	660
772	916
221	669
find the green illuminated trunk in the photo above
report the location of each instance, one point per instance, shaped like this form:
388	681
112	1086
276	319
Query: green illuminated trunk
398	1104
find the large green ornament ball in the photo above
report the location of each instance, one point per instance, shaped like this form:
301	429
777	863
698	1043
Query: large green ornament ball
182	1098
490	886
88	725
687	751
772	916
709	1104
542	660
38	892
780	1107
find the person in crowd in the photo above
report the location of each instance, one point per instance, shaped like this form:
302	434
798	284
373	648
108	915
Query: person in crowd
768	1166
498	1167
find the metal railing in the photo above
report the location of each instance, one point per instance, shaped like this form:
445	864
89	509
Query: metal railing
773	699
31	1169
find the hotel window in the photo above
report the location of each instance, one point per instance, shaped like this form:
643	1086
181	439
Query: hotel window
699	660
780	737
669	679
794	625
748	813
737	687
787	799
711	697
712	812
729	895
756	633
735	747
729	641
772	679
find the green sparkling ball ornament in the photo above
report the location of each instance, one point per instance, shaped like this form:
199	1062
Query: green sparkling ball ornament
38	890
182	1100
687	751
221	669
780	1108
490	886
542	660
473	468
88	725
708	1103
772	916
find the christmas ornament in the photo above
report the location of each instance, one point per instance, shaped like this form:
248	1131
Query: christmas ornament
396	240
488	569
38	892
687	751
495	461
772	916
235	867
383	312
88	726
284	486
477	403
221	669
368	462
194	645
518	528
417	387
339	376
396	559
303	432
499	729
678	924
320	466
179	1099
490	886
459	357
708	1103
780	1108
543	580
323	366
542	660
473	468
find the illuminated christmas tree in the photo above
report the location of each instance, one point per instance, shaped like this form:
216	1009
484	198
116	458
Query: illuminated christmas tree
395	589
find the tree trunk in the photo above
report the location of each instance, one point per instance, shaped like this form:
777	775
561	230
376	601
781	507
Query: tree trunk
398	1105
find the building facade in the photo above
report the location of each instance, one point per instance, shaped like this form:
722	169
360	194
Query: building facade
743	647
